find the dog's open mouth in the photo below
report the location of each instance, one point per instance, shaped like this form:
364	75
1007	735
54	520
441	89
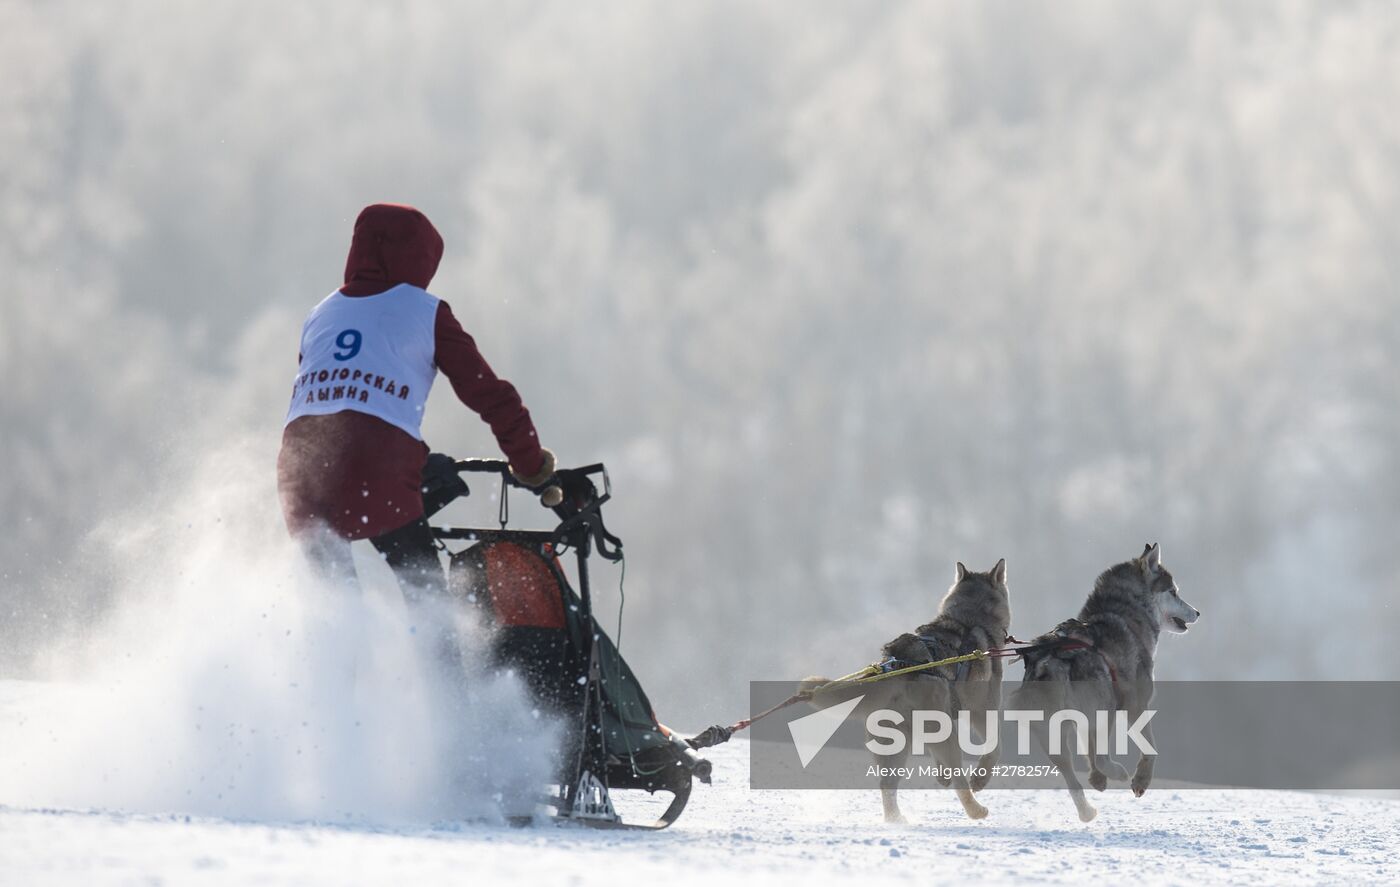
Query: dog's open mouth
1180	624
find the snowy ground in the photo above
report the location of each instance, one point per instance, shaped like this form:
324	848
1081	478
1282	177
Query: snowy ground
769	836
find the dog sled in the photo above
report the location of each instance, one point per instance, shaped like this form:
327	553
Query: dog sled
545	630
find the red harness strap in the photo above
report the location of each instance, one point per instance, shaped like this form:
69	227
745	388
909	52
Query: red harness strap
1085	645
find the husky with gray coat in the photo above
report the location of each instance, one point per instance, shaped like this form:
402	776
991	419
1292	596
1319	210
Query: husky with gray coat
1118	627
975	614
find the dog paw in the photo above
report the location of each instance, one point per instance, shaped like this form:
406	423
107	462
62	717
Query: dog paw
895	819
975	811
1098	781
1087	813
1140	783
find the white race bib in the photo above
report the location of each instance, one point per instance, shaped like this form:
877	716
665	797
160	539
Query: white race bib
372	354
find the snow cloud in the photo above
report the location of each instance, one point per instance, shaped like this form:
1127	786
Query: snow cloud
228	680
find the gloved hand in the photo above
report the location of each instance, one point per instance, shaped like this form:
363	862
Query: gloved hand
551	496
545	473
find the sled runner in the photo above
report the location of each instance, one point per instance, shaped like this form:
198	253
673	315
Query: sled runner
546	632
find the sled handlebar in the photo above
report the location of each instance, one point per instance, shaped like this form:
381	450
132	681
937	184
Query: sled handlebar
578	503
502	467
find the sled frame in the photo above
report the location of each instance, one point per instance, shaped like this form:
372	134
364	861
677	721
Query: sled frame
578	531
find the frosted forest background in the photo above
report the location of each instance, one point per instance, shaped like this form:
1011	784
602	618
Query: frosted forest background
841	293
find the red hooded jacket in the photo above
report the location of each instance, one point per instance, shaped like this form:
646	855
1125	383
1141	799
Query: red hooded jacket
355	472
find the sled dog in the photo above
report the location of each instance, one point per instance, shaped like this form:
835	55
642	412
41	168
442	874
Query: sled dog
1105	664
974	615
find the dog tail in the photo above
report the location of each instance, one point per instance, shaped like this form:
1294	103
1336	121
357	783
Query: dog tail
809	685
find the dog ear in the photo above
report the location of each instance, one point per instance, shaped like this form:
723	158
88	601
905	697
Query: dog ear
1152	557
999	572
961	573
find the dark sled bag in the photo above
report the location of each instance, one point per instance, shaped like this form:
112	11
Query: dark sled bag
541	632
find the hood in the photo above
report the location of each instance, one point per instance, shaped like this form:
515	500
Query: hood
393	244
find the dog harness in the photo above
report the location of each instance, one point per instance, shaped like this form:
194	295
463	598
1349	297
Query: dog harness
932	645
1071	638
